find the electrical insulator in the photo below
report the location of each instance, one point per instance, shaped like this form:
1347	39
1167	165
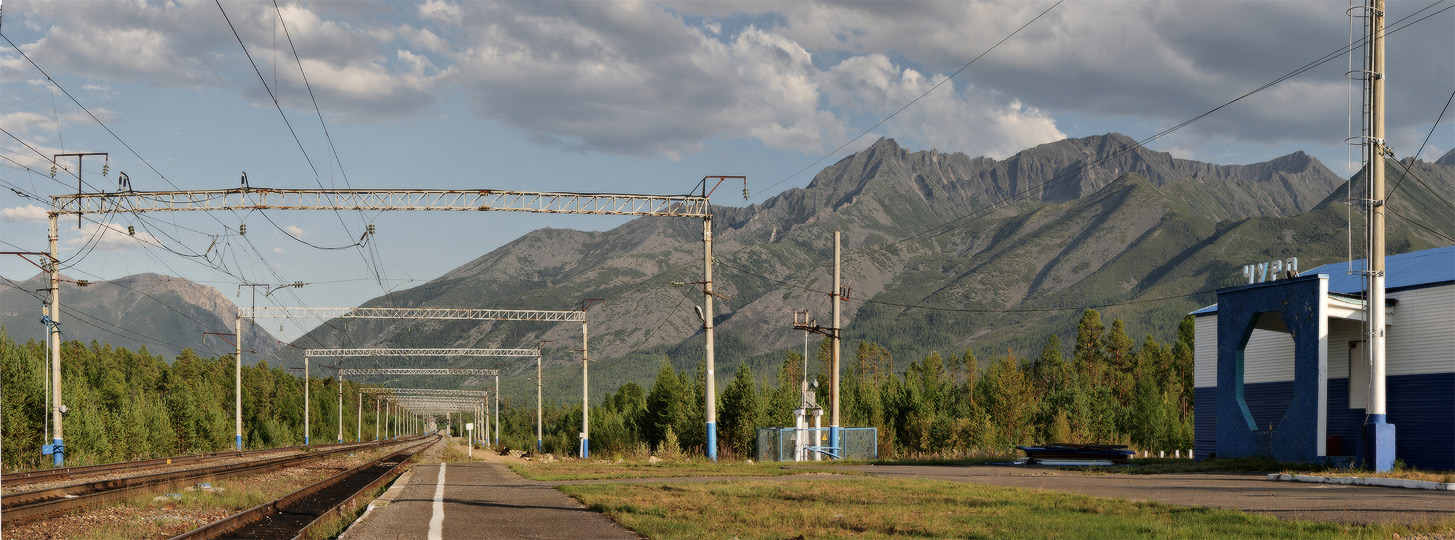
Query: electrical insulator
242	229
745	193
131	230
53	170
105	168
83	282
371	228
297	284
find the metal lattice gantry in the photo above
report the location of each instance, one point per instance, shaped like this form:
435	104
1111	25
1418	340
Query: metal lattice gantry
446	401
389	394
473	200
418	371
473	314
432	313
409	352
460	200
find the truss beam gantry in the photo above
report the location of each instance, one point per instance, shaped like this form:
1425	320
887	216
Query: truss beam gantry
367	352
460	200
536	315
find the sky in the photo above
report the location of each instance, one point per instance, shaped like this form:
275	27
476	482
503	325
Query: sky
622	97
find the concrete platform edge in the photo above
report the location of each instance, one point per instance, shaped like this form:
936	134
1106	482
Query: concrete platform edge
1364	481
387	497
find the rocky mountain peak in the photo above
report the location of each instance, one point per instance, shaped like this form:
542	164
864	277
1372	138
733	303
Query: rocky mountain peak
1448	159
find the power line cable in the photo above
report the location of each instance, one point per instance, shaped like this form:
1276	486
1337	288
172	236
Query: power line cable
1441	116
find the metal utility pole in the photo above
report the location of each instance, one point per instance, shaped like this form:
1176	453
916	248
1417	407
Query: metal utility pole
497	408
58	446
1379	435
376	419
539	406
306	405
707	325
359	429
707	316
340	408
834	387
801	321
237	382
585	388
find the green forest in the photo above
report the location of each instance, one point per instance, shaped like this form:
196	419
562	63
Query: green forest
127	405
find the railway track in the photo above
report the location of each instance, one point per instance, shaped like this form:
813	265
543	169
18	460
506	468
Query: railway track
294	514
16	508
67	473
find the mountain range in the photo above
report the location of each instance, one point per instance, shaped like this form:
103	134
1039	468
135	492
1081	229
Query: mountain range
942	252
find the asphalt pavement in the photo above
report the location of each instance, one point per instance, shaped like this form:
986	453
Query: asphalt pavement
1246	492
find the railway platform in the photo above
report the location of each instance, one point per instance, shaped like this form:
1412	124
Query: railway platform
477	500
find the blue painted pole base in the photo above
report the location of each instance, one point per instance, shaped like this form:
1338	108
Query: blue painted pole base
305	441
57	451
585	448
239	442
539	446
834	441
712	441
1376	451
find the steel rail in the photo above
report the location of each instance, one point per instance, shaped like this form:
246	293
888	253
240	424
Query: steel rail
56	475
51	475
31	505
294	514
461	200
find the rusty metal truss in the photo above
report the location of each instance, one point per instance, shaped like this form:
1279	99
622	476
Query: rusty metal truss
417	371
461	200
539	315
343	353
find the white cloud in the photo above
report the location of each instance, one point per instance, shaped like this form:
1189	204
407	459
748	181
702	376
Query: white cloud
109	237
976	121
279	250
25	214
295	230
189	44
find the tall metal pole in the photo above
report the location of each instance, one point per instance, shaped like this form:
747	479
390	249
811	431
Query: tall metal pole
1379	434
376	418
497	408
834	387
340	409
539	407
359	429
59	447
305	401
585	401
711	394
237	382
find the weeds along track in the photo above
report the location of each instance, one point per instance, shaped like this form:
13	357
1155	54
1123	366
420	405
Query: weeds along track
294	514
22	507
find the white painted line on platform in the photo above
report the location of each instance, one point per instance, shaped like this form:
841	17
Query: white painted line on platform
437	517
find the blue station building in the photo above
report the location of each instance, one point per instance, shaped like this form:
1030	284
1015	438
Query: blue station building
1281	370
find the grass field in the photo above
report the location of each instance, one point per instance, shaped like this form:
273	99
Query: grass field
881	508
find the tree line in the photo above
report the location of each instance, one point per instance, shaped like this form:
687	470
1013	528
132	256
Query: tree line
1108	390
127	405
